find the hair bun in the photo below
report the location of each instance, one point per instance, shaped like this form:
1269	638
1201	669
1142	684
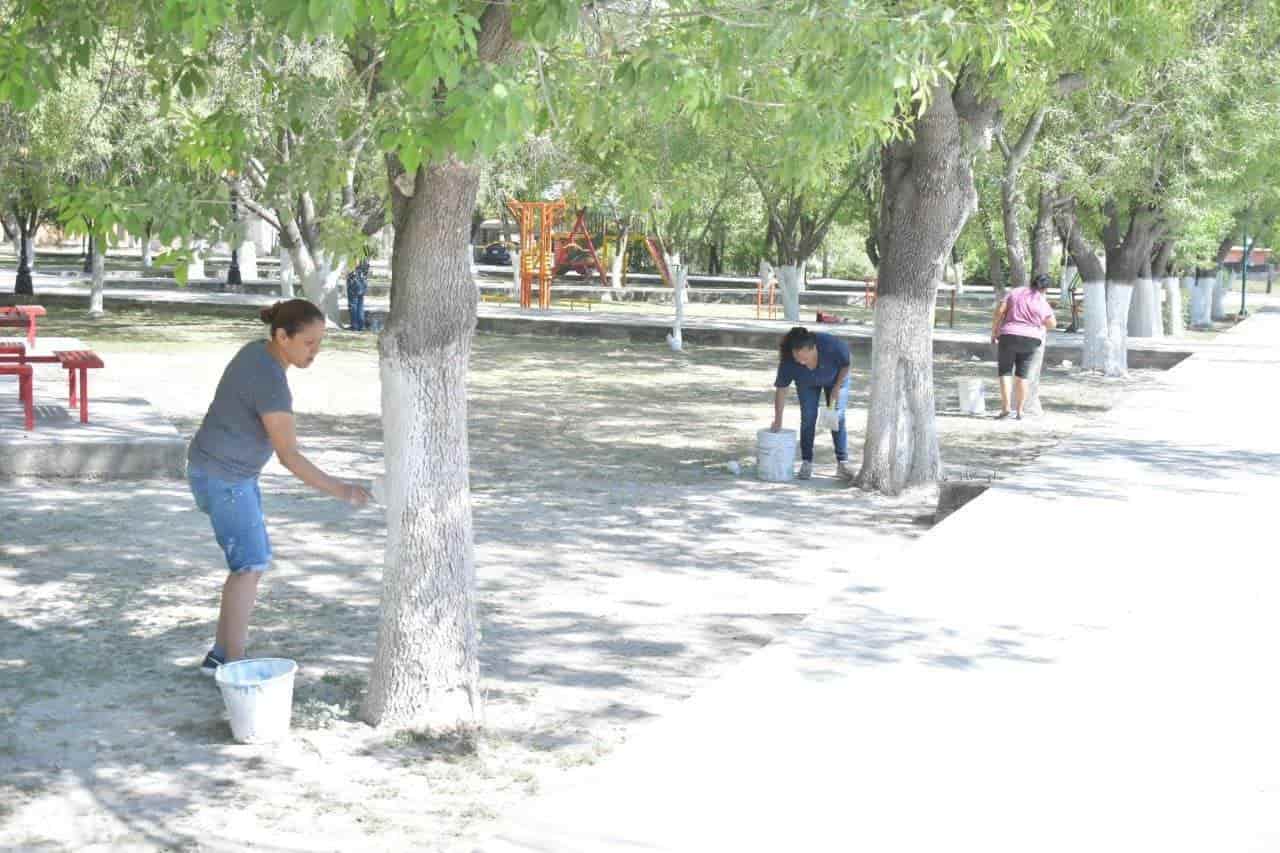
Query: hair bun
268	315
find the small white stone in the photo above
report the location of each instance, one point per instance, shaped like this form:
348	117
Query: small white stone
1067	363
734	468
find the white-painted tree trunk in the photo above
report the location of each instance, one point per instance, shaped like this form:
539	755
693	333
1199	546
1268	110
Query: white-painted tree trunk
148	258
790	285
1119	295
679	285
1144	310
247	257
680	281
97	262
195	266
31	252
1219	296
287	276
426	666
1095	326
615	263
17	248
902	402
515	276
1173	322
1202	302
321	283
1031	405
959	268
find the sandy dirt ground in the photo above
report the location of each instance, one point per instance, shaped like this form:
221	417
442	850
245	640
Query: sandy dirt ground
621	565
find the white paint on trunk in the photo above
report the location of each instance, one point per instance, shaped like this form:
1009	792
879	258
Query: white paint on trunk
195	266
1031	404
515	276
287	277
247	257
1119	295
429	564
1219	298
320	286
901	431
790	285
679	285
1202	302
1144	310
96	261
1095	325
148	259
1173	322
17	248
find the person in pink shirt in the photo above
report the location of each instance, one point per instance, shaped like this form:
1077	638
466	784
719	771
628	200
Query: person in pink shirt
1018	330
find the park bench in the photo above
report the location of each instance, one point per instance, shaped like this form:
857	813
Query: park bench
575	301
77	363
22	316
26	393
81	362
496	297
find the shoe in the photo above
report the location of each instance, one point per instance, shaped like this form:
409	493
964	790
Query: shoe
806	471
1018	416
211	664
844	472
1002	416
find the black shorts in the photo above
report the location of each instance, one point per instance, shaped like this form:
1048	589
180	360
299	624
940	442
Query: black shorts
1014	354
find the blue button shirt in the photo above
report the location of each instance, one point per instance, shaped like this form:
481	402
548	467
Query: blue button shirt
833	356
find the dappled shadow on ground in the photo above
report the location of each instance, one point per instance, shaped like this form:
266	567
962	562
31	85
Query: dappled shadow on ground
620	566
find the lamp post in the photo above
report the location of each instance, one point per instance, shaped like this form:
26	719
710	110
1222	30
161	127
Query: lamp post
1244	274
233	271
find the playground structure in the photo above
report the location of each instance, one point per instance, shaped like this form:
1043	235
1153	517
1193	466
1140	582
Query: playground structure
546	252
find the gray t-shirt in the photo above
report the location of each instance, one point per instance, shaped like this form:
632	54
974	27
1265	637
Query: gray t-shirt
232	443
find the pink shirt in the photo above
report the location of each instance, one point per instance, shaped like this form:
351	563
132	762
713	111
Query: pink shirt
1025	311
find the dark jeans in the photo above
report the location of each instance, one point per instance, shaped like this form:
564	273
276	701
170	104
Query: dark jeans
355	305
809	396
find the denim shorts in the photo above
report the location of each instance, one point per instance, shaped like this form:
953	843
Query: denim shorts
235	508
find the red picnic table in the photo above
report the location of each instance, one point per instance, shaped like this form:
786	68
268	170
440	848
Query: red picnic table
15	360
22	315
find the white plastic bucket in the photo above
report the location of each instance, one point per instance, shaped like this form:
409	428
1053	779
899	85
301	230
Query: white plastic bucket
971	399
828	419
775	455
258	693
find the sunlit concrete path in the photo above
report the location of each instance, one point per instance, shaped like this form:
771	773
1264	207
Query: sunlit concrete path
1083	658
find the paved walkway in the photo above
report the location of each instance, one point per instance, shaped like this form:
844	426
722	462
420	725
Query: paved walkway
1084	658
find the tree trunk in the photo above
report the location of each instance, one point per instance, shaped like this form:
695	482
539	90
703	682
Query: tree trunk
247	257
995	261
1031	404
321	283
287	277
195	266
789	285
1042	236
615	263
515	276
90	248
147	257
1094	356
1219	295
1119	295
1144	310
426	669
1202	300
1173	324
97	265
928	194
679	285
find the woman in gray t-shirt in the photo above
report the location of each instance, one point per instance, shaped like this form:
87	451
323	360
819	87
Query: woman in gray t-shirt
250	417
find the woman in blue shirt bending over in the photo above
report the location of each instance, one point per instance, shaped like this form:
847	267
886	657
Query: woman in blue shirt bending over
816	363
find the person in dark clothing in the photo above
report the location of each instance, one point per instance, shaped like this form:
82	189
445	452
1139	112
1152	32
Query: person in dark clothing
818	364
357	287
